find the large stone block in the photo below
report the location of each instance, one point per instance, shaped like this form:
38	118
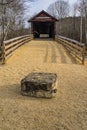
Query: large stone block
39	85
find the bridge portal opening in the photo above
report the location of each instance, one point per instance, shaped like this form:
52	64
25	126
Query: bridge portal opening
43	29
43	25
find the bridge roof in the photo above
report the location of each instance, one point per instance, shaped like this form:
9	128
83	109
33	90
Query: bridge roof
43	16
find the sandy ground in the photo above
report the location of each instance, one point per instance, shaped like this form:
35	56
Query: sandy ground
68	111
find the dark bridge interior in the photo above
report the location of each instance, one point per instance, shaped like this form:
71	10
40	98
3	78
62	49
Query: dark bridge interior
40	28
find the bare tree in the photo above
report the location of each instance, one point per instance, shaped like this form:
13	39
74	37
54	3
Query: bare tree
82	6
74	19
11	16
59	9
10	9
75	9
51	10
62	8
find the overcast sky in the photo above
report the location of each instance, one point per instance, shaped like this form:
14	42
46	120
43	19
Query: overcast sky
39	5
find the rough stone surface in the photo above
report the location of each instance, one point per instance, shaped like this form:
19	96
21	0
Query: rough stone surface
39	85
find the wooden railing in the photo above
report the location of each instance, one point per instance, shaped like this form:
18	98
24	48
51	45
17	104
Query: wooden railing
75	48
0	54
9	46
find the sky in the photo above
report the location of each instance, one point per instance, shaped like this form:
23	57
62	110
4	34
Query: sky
38	5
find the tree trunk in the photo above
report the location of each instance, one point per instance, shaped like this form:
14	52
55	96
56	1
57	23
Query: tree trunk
81	29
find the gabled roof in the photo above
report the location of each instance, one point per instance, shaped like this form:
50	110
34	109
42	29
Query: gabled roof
43	15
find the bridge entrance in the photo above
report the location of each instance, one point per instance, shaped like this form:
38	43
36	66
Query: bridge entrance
43	25
43	29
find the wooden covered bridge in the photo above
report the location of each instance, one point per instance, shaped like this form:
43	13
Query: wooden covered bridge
43	25
62	56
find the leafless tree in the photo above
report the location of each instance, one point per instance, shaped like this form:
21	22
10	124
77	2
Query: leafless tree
62	8
82	7
59	9
51	10
11	16
74	19
75	9
10	10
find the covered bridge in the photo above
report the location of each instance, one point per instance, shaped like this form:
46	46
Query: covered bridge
43	25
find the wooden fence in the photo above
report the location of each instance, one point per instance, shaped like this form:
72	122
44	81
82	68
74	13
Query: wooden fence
75	48
9	46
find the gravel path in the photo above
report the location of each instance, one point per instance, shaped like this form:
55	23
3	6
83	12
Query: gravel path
68	111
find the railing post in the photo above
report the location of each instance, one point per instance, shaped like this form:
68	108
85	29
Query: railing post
83	55
3	54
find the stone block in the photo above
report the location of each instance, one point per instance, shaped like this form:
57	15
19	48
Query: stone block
39	85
